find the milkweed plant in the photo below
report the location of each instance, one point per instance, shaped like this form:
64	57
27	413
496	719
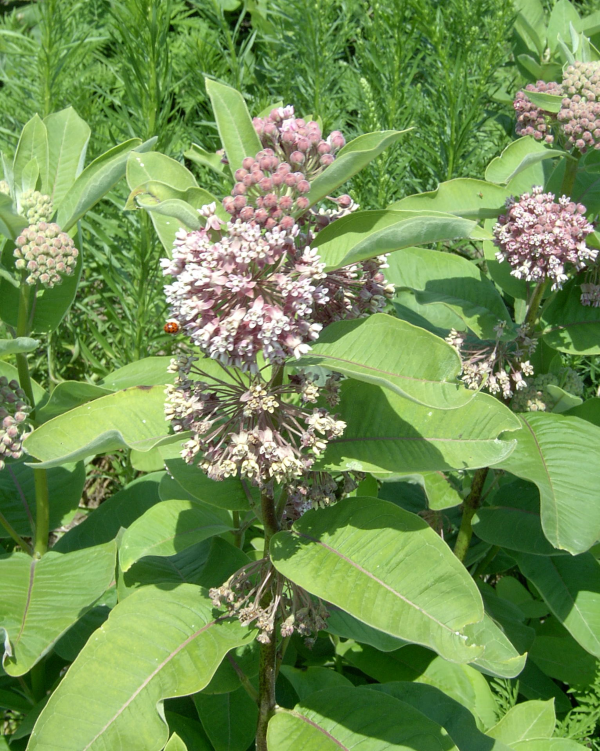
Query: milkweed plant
368	478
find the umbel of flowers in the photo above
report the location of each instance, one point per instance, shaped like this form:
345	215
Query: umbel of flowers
14	428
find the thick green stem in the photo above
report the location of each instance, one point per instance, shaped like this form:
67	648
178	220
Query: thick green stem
470	506
534	305
15	535
568	182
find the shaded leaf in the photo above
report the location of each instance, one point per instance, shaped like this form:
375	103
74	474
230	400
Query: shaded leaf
570	326
229	720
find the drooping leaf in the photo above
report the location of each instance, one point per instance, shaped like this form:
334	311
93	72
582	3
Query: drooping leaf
394	354
168	528
42	598
500	657
517	157
155	644
235	127
20	344
351	159
560	455
387	568
229	720
401	436
571	589
68	137
17	495
346	718
560	657
366	234
120	510
449	281
132	418
471	199
570	326
151	371
548	102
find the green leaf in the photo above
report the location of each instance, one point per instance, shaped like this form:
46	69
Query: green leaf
11	223
17	495
394	354
517	157
560	657
39	394
168	528
500	272
531	719
347	718
571	589
156	166
229	720
132	418
471	199
120	510
563	14
440	491
513	520
151	371
204	158
570	326
43	597
189	730
71	643
547	102
351	159
96	180
448	281
401	436
307	681
155	644
548	744
228	494
158	196
235	127
534	684
560	455
175	744
387	568
366	234
227	678
68	395
434	703
68	137
500	657
33	144
589	410
343	624
530	23
20	344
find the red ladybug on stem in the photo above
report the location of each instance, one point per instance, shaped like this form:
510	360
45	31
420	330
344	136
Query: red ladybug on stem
171	327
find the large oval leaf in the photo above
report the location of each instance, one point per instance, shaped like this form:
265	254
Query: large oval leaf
561	455
387	568
571	589
132	418
68	137
397	355
500	657
472	199
401	436
341	719
156	644
517	157
170	527
531	719
366	234
43	597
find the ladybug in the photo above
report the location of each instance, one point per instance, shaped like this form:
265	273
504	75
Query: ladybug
172	327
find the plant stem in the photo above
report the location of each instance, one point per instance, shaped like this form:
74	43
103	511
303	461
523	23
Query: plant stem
268	652
534	305
568	182
470	506
23	330
15	535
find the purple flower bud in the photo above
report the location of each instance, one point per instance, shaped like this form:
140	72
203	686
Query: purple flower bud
323	148
303	186
326	160
297	157
248	163
302	203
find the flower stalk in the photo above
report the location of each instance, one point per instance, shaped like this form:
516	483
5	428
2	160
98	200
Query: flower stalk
470	506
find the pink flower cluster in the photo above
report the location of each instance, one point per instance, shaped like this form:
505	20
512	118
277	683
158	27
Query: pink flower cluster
531	119
14	428
46	253
298	142
580	110
539	237
250	290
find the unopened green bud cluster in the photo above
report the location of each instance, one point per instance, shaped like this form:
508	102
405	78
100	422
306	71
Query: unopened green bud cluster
537	397
36	207
46	253
4	187
14	427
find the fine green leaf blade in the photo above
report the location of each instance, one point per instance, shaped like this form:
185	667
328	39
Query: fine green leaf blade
17	495
570	326
342	718
443	709
20	344
155	644
443	280
561	455
517	157
366	234
229	720
394	354
401	436
96	180
387	568
42	598
235	127
132	418
168	528
571	589
33	144
531	719
471	199
68	137
351	159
